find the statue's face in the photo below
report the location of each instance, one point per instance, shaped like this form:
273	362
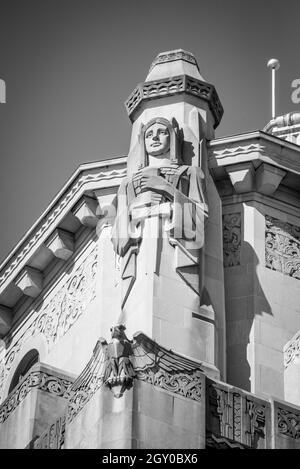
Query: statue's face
157	139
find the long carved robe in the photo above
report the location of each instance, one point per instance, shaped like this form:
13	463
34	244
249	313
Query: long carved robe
188	209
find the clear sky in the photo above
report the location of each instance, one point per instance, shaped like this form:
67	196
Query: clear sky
69	65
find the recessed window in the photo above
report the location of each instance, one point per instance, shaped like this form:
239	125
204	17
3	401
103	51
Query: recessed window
24	366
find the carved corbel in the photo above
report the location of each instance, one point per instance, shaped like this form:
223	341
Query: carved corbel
268	178
241	177
6	316
86	211
61	244
30	281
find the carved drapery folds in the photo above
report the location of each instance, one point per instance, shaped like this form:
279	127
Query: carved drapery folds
59	315
118	363
232	239
236	416
282	247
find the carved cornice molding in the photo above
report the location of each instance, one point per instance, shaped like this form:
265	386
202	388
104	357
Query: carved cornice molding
256	147
141	359
34	380
174	85
88	177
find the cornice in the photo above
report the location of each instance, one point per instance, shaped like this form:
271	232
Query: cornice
88	177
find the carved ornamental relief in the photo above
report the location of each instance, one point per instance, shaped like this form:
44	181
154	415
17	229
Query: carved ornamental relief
232	239
59	315
282	247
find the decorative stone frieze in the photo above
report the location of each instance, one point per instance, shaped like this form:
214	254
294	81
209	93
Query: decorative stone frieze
282	247
58	316
236	416
170	56
288	423
118	363
33	380
232	239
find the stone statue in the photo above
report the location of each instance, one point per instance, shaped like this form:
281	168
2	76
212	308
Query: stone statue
161	186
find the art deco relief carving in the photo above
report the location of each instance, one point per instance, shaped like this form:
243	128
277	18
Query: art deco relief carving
59	315
34	380
53	437
292	351
232	239
282	247
118	363
233	415
288	423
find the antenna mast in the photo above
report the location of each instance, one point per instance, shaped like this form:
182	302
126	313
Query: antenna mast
274	65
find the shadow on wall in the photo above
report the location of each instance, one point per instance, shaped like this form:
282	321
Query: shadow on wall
244	299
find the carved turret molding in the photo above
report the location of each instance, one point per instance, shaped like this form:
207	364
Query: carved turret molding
30	281
61	244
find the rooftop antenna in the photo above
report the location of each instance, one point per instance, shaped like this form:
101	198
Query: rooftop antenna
274	65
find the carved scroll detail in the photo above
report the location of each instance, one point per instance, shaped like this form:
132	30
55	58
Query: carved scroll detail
232	239
34	380
288	423
282	247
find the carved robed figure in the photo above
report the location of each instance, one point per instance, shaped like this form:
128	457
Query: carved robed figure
162	185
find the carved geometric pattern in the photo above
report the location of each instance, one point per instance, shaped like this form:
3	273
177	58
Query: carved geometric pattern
14	261
282	247
232	239
288	423
59	315
53	437
170	86
235	416
292	352
35	380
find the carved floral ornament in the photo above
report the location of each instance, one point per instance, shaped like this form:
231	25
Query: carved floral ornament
58	316
282	247
288	423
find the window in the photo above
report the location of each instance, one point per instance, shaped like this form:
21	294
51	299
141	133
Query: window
24	366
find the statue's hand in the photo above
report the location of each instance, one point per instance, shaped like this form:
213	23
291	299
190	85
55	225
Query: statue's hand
150	181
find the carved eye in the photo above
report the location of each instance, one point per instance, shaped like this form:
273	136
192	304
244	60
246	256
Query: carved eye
149	134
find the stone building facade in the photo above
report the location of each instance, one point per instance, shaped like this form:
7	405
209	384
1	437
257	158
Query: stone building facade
156	302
